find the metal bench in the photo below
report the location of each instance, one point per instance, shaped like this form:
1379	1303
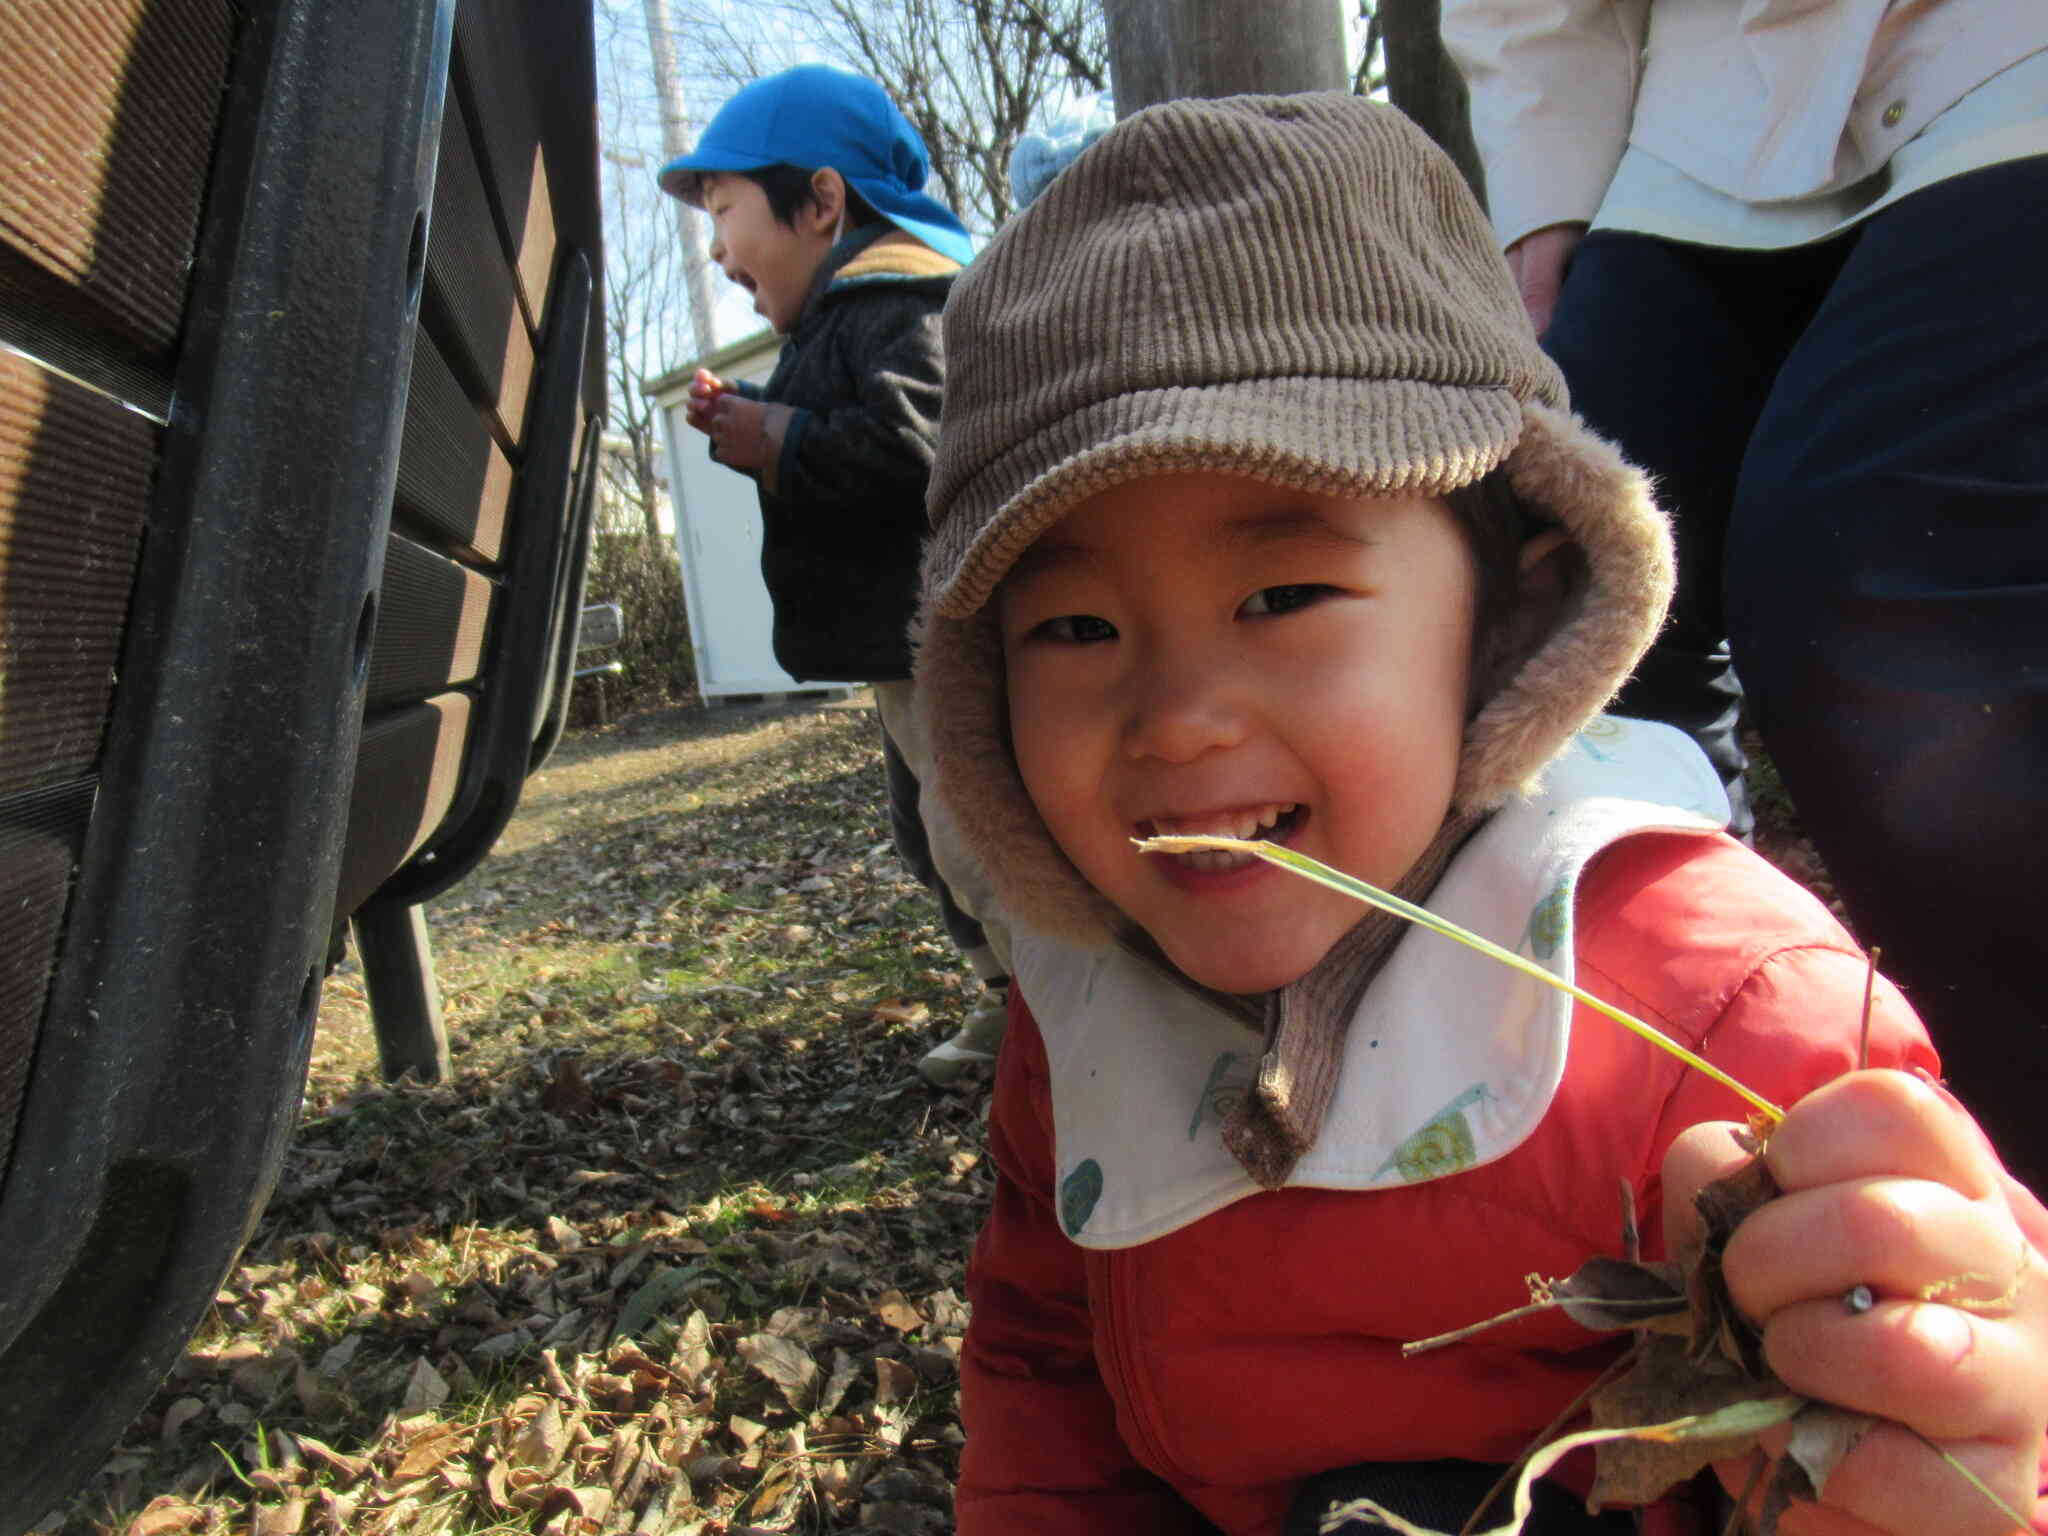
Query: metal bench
300	390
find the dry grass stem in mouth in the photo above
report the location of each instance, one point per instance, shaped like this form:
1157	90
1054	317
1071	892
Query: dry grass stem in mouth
1371	895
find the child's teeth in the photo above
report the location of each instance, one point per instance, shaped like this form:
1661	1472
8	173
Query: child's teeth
1246	825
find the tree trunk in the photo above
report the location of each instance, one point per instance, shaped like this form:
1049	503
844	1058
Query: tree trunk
1162	49
1423	81
648	483
675	140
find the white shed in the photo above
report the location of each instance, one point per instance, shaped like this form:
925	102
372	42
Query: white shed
718	539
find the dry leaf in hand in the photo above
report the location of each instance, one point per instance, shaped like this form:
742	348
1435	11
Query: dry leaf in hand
1606	1294
1718	1327
1664	1382
1697	1362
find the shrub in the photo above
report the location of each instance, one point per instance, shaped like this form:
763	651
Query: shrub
640	573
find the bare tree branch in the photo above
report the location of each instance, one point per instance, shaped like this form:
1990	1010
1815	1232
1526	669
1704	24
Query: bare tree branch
968	74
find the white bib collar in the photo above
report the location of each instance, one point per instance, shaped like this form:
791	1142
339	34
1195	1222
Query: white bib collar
1451	1060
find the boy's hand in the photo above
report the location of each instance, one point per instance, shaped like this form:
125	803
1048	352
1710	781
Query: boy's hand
745	434
705	390
1888	1183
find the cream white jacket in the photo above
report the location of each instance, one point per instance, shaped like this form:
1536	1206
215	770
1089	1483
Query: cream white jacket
1760	100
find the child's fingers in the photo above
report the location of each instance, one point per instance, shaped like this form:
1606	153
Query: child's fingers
1942	1370
1894	1484
1878	1122
1902	1239
1890	1187
1701	1154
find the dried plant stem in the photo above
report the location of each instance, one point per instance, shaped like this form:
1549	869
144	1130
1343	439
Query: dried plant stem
1735	1421
1759	1464
1360	890
1565	1415
1869	988
1649	1307
2019	1520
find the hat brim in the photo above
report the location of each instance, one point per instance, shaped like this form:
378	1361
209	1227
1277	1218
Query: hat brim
914	213
683	176
1333	437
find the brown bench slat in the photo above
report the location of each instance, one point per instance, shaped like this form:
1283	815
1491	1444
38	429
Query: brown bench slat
496	51
470	281
40	834
536	242
405	781
453	479
106	140
74	485
431	615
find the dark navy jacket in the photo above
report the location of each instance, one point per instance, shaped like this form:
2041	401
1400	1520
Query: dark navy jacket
845	520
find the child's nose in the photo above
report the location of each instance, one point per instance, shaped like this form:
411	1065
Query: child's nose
1184	706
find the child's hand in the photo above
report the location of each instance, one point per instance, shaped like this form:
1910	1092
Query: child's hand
1887	1183
739	432
705	390
737	426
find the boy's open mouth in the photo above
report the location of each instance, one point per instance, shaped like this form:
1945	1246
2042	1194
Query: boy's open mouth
1273	823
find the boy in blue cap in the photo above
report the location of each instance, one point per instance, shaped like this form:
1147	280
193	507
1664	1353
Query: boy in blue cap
814	183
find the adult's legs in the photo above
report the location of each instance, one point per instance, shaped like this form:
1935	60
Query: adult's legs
1888	599
1670	351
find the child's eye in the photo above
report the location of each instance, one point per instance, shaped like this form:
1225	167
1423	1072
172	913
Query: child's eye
1268	600
1076	629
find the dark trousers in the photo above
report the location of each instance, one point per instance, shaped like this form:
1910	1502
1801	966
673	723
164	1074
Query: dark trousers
914	848
1853	440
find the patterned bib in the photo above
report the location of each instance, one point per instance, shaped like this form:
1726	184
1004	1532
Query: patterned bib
1452	1058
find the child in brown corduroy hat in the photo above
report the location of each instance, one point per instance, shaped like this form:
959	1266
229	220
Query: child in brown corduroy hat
1257	510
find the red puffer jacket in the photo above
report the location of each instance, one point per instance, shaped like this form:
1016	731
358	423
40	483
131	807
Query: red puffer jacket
1205	1374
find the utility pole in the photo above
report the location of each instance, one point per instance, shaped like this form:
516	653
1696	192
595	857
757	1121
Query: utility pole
675	140
1161	49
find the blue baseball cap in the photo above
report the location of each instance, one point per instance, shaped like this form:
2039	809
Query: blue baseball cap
815	116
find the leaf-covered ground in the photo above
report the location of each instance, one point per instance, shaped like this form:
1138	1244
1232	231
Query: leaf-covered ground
678	1248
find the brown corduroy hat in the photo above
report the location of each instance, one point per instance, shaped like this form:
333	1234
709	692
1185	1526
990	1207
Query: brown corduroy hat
1297	289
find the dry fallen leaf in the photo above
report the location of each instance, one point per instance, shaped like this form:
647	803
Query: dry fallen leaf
425	1389
894	1308
428	1450
178	1415
894	1380
165	1516
786	1363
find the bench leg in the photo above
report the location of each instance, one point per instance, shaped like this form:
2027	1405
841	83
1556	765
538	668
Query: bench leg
405	1001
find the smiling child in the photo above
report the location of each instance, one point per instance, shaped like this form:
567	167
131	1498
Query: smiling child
814	182
1258	510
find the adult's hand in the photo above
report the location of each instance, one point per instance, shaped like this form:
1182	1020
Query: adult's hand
1538	261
